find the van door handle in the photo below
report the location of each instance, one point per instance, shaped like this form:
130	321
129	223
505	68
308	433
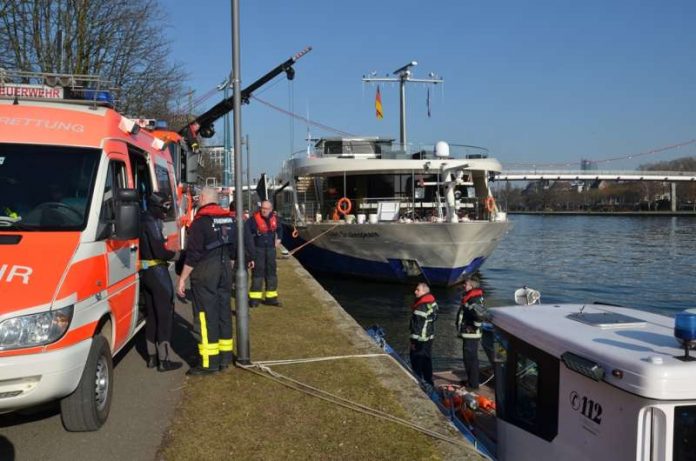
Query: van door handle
134	248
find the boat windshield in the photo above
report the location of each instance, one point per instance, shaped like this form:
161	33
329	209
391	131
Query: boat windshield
684	432
45	188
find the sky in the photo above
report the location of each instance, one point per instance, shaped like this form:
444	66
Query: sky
535	82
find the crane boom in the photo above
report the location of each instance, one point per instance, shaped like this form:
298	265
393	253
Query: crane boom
203	124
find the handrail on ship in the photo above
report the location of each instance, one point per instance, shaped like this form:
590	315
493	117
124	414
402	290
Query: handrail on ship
395	150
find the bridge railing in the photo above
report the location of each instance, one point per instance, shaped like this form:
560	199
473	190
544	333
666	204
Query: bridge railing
602	172
567	175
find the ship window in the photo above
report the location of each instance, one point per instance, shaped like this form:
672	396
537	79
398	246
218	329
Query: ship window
684	433
530	389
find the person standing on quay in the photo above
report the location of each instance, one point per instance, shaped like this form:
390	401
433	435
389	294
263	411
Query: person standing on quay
470	317
422	329
157	286
266	231
210	249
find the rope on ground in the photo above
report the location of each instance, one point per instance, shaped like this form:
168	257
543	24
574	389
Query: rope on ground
313	239
265	371
317	359
338	357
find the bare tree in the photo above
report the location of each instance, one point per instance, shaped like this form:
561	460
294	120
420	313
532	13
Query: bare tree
119	40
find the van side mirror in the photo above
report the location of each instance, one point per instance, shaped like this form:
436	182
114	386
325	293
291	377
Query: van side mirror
127	211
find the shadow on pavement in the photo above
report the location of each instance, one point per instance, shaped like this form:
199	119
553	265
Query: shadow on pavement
7	451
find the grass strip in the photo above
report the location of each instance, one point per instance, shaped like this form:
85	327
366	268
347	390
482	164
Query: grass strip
240	415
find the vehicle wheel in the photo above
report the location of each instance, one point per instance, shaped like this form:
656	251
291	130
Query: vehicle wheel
87	408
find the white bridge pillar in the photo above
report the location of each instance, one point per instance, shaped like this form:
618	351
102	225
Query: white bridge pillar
673	197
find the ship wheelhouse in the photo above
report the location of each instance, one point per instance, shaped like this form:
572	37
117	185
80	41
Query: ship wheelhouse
380	178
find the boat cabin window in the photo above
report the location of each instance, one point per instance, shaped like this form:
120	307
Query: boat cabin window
529	388
684	433
348	147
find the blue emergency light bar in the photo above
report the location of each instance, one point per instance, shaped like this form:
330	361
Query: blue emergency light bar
685	325
685	330
98	96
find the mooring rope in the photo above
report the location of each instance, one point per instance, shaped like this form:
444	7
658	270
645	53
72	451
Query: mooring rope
313	239
265	371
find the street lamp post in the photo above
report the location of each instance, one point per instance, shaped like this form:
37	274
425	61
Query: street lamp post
243	355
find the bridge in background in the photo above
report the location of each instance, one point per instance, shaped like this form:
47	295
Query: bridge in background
595	175
672	177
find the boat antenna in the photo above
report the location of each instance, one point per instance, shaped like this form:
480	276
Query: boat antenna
403	76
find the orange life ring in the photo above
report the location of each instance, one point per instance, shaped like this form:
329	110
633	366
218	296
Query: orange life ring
344	206
490	204
295	233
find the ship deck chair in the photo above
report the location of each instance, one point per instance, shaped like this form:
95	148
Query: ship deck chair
388	211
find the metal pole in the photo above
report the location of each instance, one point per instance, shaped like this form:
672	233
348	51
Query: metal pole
402	84
226	156
243	356
248	174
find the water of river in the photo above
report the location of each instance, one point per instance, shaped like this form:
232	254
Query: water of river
643	262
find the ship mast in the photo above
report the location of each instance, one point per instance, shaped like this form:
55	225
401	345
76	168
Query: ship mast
403	76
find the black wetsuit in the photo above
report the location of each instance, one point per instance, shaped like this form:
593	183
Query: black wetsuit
158	290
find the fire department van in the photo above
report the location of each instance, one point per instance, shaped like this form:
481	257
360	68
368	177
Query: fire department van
73	181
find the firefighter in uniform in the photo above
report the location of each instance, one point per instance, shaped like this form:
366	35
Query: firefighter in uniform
470	317
157	285
422	329
266	231
211	247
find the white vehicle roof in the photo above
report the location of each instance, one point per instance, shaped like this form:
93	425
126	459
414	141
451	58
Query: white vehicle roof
638	343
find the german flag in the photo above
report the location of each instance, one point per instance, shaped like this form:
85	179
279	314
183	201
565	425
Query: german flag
378	105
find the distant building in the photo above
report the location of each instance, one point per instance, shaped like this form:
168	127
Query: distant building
216	154
211	162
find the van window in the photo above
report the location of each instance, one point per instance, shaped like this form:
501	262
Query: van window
684	432
115	179
165	189
142	179
46	188
529	391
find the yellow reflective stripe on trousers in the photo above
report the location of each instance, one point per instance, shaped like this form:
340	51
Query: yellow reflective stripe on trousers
255	295
210	349
203	346
271	294
226	345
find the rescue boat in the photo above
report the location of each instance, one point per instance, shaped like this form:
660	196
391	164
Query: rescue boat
578	382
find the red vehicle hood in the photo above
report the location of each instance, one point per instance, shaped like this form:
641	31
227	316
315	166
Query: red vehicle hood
32	265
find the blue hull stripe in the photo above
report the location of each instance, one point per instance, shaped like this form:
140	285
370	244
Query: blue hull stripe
321	260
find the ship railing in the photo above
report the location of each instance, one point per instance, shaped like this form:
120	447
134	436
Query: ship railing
427	151
399	151
402	207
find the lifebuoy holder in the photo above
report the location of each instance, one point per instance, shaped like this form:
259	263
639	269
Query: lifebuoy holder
490	204
344	206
